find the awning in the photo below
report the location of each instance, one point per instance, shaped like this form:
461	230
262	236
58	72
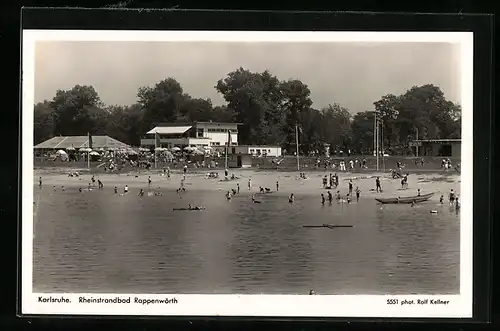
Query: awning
169	129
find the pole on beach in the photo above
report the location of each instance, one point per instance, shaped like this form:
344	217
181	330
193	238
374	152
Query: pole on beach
88	160
382	140
416	147
297	143
377	143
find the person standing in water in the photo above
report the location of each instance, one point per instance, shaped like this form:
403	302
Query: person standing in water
238	187
125	189
116	190
291	199
322	199
99	184
249	184
377	184
441	199
226	172
277	186
149	181
350	186
40	182
358	191
330	197
452	197
418	192
141	193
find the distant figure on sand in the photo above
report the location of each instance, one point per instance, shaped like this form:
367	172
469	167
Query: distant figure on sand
452	197
377	184
291	199
226	172
358	191
79	189
62	188
54	187
125	189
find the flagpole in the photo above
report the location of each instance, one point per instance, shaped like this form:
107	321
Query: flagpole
227	146
88	159
156	140
297	143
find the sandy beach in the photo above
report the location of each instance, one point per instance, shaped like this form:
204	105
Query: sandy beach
289	182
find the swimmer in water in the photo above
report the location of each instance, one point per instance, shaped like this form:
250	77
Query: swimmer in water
228	195
413	203
116	189
291	199
62	188
54	187
141	193
311	292
253	199
79	189
90	186
125	189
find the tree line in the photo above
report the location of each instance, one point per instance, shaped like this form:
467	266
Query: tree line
268	107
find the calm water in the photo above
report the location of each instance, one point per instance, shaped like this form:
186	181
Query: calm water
101	242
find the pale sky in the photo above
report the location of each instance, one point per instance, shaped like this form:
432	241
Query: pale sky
351	74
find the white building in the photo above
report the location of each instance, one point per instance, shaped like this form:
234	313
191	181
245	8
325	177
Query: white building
198	134
253	150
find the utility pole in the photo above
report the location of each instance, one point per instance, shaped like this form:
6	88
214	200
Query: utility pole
416	143
377	140
297	143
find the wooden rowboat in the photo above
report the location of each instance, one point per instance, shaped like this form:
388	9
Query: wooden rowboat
415	199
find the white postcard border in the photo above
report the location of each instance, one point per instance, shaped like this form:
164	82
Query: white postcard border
458	306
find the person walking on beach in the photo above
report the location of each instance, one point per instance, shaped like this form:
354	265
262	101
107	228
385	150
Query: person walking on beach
291	199
377	184
358	191
149	180
452	197
441	199
99	184
322	199
249	184
330	197
40	182
238	187
350	186
141	193
277	186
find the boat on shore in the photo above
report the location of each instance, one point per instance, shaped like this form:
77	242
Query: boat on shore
413	199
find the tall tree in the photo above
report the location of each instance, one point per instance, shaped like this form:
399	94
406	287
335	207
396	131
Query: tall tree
77	111
161	103
124	123
44	122
296	101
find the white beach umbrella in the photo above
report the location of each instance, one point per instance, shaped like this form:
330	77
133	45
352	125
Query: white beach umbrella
175	149
61	152
94	153
160	149
85	149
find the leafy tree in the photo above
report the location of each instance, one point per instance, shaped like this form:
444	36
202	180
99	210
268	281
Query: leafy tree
124	123
77	111
44	122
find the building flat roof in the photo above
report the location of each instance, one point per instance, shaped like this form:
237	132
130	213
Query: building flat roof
437	140
169	129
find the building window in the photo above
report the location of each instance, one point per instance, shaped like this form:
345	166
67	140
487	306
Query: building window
251	150
199	133
233	150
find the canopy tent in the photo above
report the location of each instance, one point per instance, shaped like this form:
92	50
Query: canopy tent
79	142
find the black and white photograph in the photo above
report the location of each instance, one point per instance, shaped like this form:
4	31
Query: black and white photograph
247	173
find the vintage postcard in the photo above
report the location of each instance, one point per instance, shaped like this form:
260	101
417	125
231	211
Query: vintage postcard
308	174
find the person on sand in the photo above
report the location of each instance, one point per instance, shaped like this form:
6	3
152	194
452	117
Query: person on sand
291	199
149	180
141	193
125	189
228	195
99	184
226	172
377	184
40	182
358	191
350	186
238	187
337	196
168	172
348	198
322	199
93	180
116	190
277	186
249	184
452	197
330	196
